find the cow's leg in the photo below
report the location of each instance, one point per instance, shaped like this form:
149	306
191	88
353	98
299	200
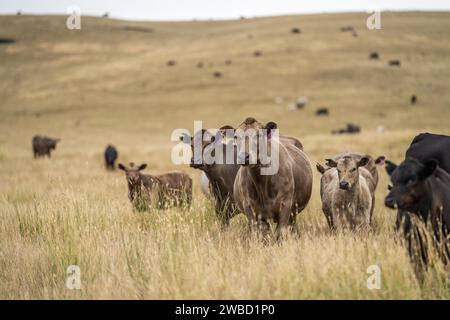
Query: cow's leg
283	220
293	224
264	228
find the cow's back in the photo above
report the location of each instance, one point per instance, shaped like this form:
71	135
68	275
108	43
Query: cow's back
176	180
426	146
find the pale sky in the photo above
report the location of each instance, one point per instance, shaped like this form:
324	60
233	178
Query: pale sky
210	9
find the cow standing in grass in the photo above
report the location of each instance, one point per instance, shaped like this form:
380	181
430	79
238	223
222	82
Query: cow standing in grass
420	192
277	196
42	146
157	191
347	189
110	157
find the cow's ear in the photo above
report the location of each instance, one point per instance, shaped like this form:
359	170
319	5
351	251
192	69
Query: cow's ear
428	168
390	167
363	161
121	167
331	163
380	160
142	167
269	127
320	168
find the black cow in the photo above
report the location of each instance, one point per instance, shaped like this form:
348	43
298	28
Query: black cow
374	55
322	111
425	148
43	145
394	63
413	99
110	157
422	189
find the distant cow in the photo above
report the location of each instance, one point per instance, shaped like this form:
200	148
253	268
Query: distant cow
280	196
347	189
322	111
171	63
394	63
347	29
413	99
257	53
157	191
217	74
200	65
350	128
374	55
295	30
422	190
228	62
110	157
43	146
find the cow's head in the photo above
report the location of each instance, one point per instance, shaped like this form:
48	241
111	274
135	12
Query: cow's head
348	170
132	173
208	140
53	142
250	134
408	183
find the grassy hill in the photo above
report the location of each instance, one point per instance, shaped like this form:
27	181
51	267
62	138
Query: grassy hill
109	83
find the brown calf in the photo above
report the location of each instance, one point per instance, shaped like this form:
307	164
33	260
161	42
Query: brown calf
159	191
347	190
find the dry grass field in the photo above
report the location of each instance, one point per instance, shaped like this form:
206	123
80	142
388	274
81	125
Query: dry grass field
107	84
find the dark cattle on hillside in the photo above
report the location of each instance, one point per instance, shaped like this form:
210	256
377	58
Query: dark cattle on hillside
42	146
350	128
110	157
7	41
296	30
217	74
257	53
171	63
322	111
413	99
394	63
374	55
347	29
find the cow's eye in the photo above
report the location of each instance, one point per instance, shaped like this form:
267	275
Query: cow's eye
389	187
353	170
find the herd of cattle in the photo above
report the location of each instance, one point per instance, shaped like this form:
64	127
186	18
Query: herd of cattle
419	189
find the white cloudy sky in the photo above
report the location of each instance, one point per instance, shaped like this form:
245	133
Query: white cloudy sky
206	9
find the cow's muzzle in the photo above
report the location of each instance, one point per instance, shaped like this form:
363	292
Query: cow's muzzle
344	185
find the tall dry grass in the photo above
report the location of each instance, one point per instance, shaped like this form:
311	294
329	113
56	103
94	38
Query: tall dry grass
105	85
